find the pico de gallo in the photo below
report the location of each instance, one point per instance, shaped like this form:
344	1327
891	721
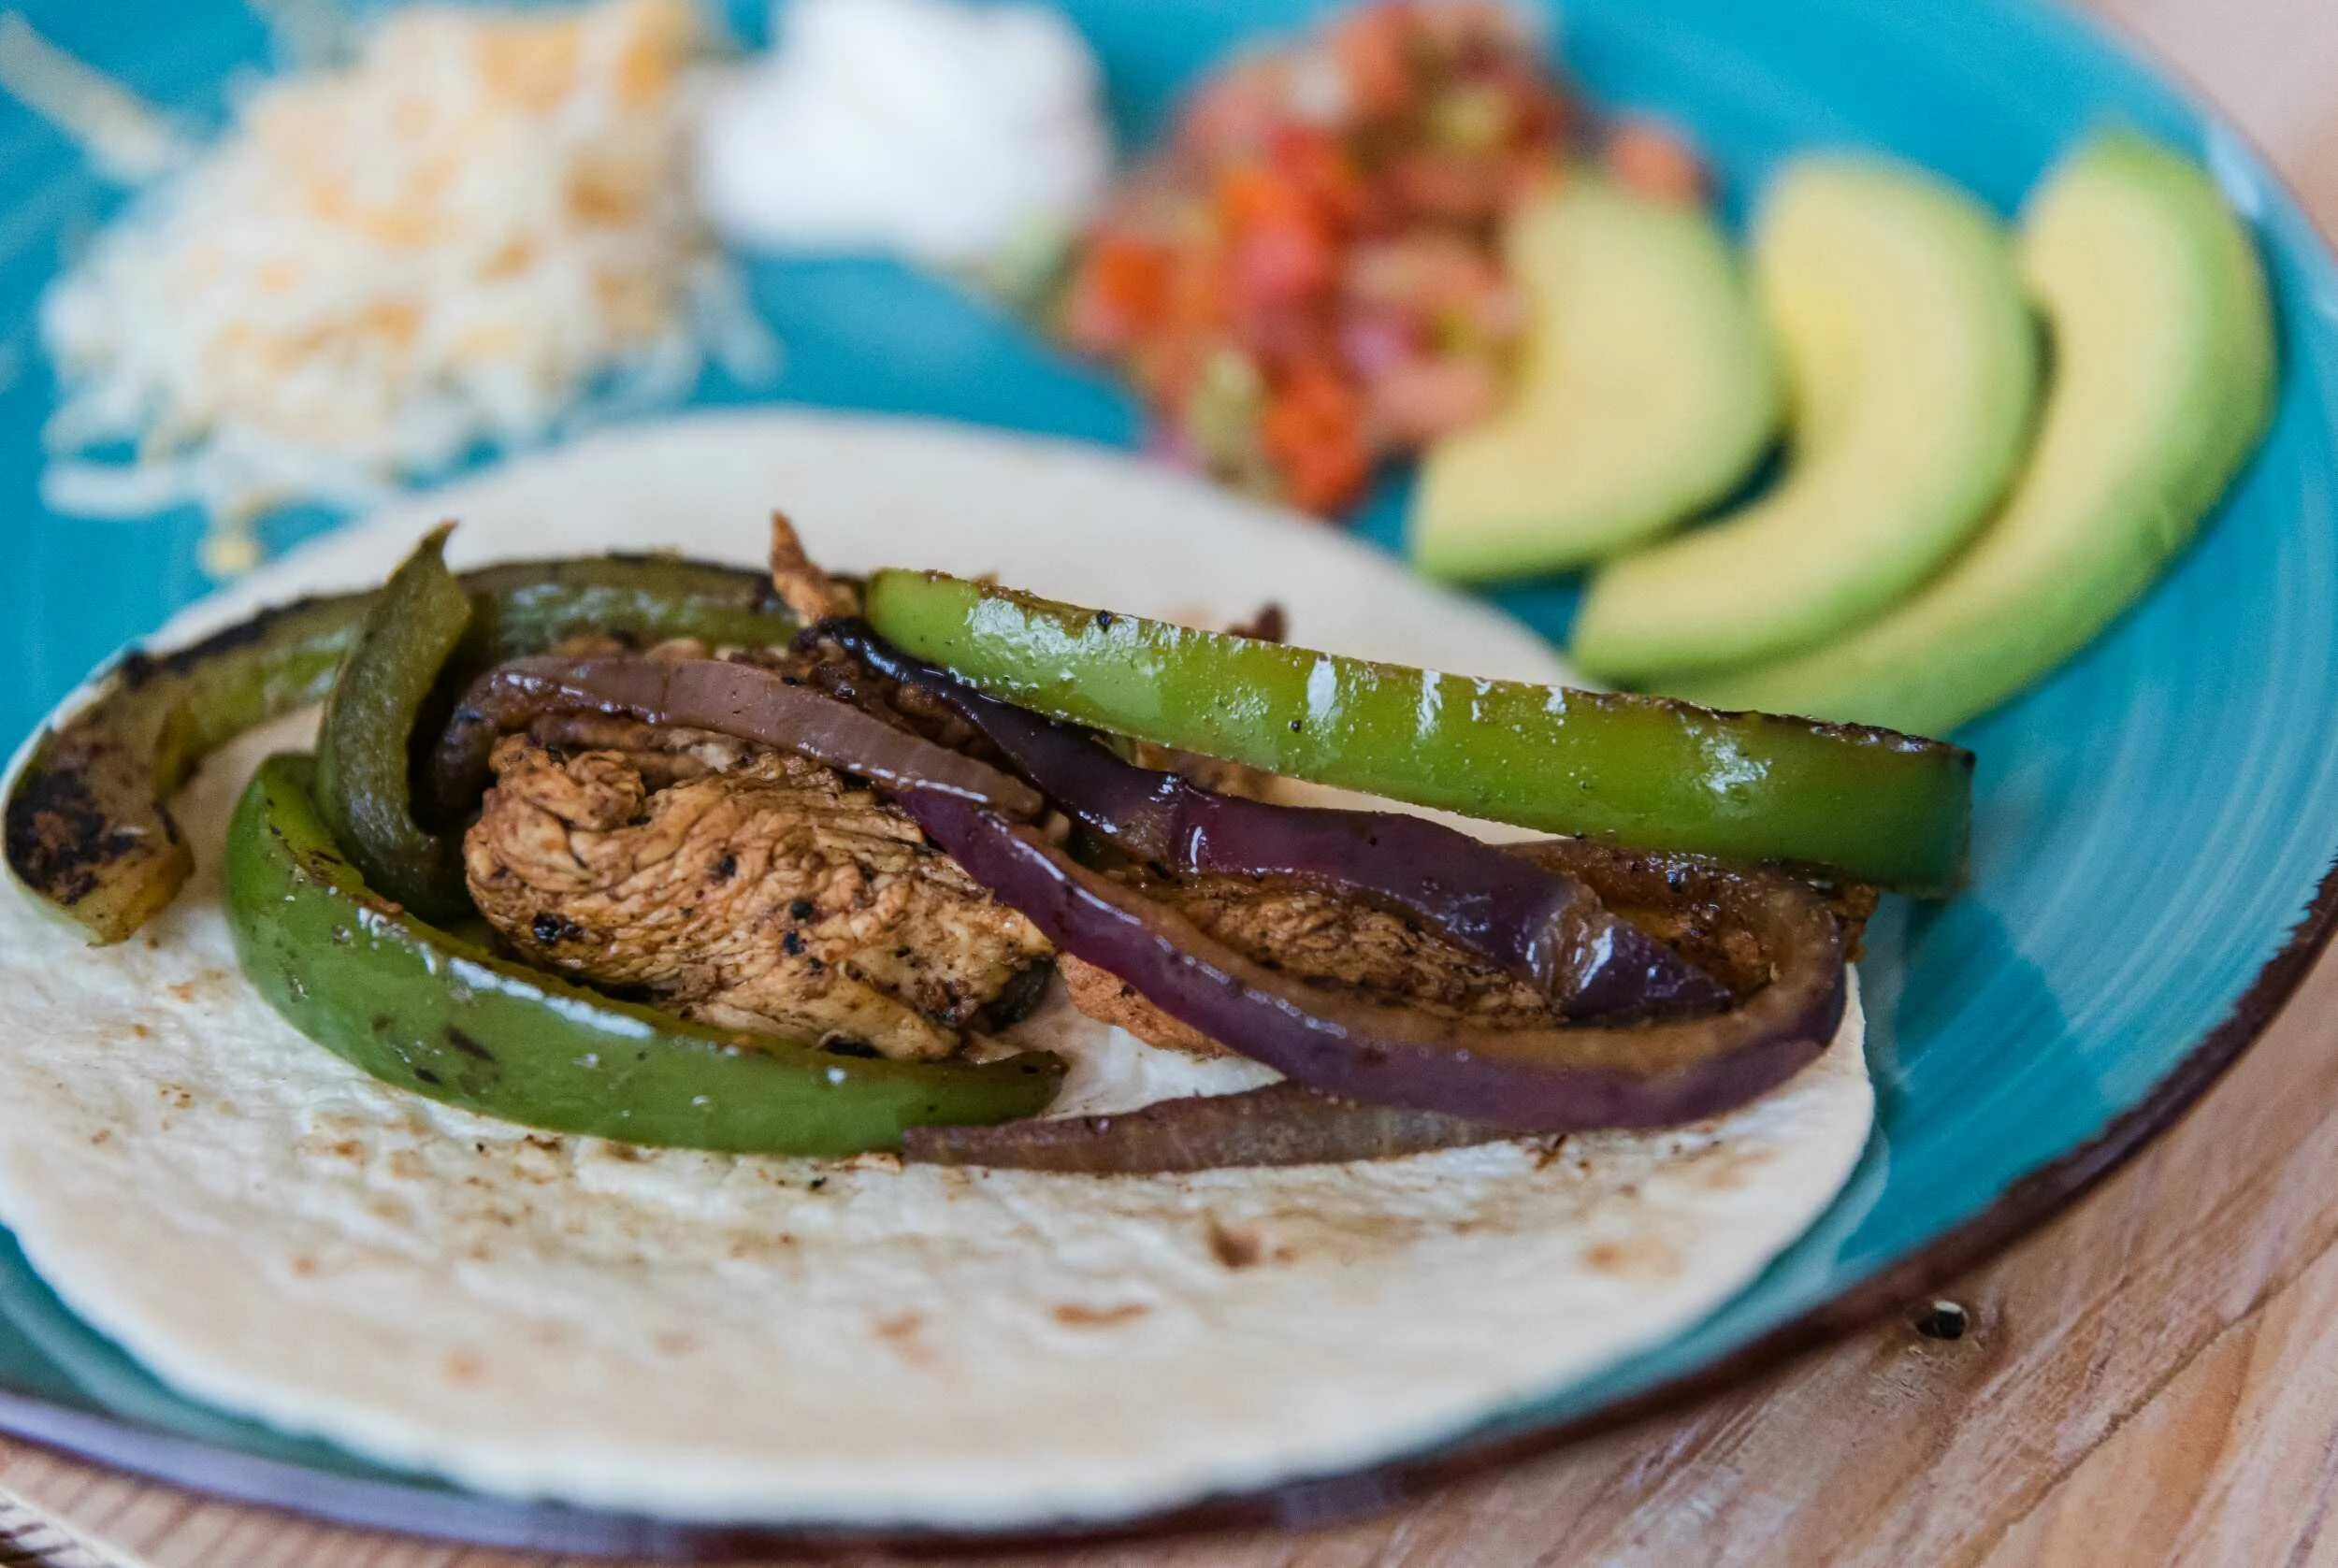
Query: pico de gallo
1306	279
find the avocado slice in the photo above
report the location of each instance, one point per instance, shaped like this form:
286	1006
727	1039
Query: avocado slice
2163	383
1913	367
1645	394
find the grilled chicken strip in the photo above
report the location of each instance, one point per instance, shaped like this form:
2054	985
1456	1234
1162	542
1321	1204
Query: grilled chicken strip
1336	939
746	887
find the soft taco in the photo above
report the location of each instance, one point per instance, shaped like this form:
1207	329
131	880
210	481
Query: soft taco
768	1044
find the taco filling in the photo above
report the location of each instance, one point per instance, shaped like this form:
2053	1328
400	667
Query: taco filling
638	875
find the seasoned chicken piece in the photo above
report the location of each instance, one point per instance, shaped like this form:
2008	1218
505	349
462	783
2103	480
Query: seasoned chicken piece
803	586
1106	997
1343	942
1373	952
746	887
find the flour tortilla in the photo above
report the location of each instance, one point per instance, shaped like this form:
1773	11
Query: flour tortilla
843	1344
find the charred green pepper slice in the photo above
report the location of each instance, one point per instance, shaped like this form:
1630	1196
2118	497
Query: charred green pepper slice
88	829
1646	772
523	607
364	772
433	1014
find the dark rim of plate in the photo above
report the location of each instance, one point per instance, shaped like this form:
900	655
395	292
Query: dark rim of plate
425	1509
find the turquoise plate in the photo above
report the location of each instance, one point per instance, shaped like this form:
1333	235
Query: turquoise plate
2154	821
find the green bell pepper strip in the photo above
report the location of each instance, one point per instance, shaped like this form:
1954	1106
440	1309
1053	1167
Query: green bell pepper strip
1646	772
524	607
88	828
364	771
427	1011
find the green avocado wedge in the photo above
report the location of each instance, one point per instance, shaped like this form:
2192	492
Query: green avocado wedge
1645	394
2163	381
430	1013
1646	772
1912	367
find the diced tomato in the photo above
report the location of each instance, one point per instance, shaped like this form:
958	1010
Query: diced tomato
1318	166
1328	480
1373	49
1442	187
1233	113
1421	399
1649	157
1326	219
1196	297
1120	292
1282	251
1281	263
1166	368
1527	173
1251	194
1132	273
1313	428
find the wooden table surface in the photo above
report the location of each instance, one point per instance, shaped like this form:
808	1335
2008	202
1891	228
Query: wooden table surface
2151	1378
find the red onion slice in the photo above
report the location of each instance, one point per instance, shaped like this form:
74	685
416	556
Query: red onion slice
1282	1124
1543	925
742	699
1537	1080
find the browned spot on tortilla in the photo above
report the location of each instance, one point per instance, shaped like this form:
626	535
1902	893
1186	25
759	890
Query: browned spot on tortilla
103	1135
1236	1249
674	1342
406	1165
1073	1314
464	1367
1639	1257
175	1095
304	1265
141	1032
902	1331
188	990
1725	1167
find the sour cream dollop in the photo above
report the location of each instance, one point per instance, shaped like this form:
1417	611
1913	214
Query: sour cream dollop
946	131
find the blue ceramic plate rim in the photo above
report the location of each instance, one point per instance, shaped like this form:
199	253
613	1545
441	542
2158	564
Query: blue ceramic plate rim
424	1508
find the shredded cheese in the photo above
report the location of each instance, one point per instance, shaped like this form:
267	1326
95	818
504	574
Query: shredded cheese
479	233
